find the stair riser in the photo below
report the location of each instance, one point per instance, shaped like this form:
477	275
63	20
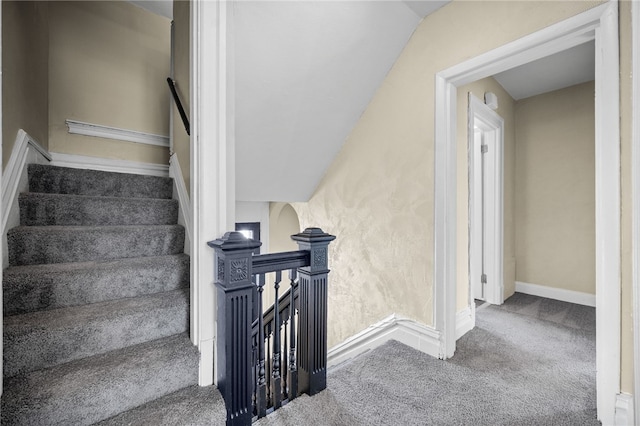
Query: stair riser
60	210
48	342
33	288
60	180
45	245
90	390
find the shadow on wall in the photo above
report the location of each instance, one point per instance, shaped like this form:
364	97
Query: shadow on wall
283	223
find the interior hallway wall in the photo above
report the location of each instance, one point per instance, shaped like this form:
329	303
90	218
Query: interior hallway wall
555	189
377	196
108	64
25	69
182	78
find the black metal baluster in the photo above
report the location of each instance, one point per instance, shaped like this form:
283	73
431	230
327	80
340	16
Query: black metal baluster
277	389
293	367
268	365
283	330
261	392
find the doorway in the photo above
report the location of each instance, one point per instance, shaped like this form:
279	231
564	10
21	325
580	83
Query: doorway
486	199
600	24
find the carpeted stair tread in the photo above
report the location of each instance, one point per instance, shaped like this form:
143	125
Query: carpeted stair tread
92	389
190	406
46	338
63	180
37	209
29	245
41	287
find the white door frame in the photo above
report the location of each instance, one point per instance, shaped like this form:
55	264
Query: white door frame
491	127
635	166
212	162
599	23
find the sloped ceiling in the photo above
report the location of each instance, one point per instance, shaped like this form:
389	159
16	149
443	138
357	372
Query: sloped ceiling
305	72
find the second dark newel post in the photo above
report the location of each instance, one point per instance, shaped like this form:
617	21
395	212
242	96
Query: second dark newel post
312	340
235	302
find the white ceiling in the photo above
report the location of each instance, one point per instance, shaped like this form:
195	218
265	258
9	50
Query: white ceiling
564	69
305	72
159	7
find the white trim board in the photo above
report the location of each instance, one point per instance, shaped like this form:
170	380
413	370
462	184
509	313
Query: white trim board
180	193
418	336
109	165
635	182
465	321
108	132
212	153
599	23
577	297
14	178
624	410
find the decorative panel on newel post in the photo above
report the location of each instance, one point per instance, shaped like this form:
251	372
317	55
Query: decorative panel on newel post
312	343
234	295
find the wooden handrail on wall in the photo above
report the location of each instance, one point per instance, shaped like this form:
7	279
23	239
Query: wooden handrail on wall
266	360
176	98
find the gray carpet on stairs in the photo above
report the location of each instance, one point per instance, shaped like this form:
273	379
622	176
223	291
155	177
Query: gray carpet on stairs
62	180
192	406
91	389
40	287
38	209
47	338
512	369
32	245
96	304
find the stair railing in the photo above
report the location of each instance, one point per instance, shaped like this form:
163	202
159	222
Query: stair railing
176	98
267	359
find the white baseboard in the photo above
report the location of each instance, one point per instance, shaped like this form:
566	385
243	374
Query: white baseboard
180	193
26	150
624	410
108	132
570	296
418	336
205	373
464	322
109	165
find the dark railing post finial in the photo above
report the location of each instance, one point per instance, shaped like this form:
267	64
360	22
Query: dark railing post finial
313	287
234	294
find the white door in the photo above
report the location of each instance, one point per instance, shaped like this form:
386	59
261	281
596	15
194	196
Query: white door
485	203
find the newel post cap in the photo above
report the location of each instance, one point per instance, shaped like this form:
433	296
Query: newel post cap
313	235
234	241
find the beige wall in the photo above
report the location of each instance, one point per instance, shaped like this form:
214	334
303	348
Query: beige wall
181	70
555	189
25	65
377	196
108	64
506	110
283	223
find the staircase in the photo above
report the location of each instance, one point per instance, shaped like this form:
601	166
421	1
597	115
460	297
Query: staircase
96	304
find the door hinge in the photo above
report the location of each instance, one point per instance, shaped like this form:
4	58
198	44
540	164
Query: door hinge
483	279
484	148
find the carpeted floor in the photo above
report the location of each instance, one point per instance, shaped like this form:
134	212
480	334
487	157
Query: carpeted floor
528	362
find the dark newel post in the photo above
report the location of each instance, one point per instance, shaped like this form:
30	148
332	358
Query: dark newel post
312	314
234	318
